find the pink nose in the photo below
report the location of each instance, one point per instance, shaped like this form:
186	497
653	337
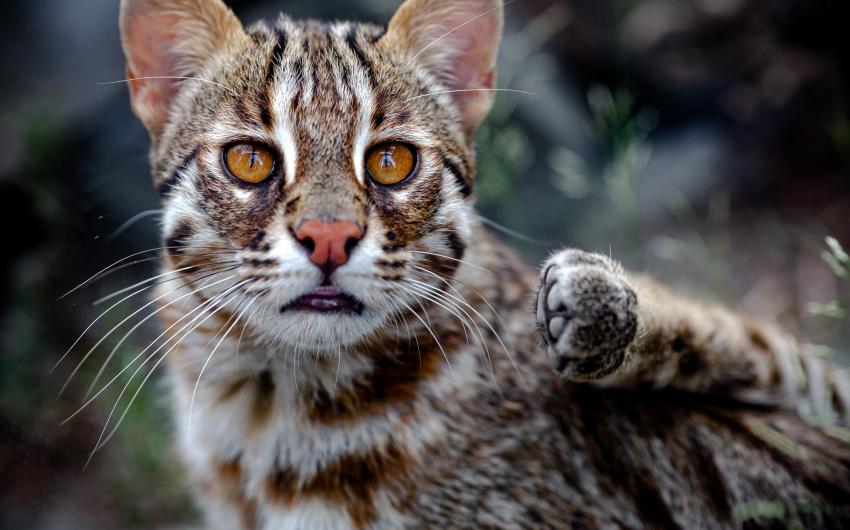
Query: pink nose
329	242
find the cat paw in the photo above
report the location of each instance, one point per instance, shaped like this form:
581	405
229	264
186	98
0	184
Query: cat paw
586	313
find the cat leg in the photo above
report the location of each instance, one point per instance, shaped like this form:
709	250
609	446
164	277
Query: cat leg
604	326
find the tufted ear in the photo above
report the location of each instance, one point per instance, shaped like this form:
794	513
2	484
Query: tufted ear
458	40
170	38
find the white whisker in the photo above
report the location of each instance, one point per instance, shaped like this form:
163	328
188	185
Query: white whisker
136	358
144	320
169	77
133	220
440	92
102	300
207	362
431	332
452	259
111	331
446	34
493	331
122	260
513	233
103	440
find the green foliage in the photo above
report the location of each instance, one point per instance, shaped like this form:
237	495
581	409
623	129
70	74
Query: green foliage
781	512
839	261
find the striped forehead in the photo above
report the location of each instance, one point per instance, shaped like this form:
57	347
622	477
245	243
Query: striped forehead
322	94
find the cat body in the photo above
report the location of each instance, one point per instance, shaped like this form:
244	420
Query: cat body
349	348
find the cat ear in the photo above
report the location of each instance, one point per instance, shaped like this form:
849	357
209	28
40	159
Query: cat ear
170	38
458	40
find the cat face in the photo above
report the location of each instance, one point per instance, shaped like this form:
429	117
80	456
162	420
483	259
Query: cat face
319	174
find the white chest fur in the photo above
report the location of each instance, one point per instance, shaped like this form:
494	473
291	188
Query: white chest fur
226	431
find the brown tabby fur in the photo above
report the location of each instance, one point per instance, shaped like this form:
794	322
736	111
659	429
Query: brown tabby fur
660	412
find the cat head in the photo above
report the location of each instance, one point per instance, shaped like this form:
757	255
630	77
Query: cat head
320	172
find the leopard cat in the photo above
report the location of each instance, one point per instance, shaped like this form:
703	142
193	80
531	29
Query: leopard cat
350	349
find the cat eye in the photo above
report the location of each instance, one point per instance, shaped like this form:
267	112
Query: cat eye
391	163
249	162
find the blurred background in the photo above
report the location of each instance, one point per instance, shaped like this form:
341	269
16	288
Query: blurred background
706	141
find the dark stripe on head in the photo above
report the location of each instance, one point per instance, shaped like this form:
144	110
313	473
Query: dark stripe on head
298	72
351	40
271	75
465	188
165	187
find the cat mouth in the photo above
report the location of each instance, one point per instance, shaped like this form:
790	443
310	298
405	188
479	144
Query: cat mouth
325	299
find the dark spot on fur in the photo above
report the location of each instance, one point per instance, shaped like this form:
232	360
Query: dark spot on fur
351	40
455	244
263	399
394	381
392	249
465	188
351	481
165	187
258	239
690	363
292	204
758	339
179	238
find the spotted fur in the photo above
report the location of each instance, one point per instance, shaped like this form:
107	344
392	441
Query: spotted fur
434	406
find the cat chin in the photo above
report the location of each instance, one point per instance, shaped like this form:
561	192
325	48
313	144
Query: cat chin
318	332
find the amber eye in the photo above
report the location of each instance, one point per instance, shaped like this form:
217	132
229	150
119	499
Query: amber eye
391	163
251	163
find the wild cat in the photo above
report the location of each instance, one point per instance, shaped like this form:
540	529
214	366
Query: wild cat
349	348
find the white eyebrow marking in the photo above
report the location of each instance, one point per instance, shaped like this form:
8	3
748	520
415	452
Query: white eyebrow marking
283	124
363	123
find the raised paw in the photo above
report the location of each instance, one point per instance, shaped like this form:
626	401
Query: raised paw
586	312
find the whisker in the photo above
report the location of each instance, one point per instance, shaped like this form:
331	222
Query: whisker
440	298
428	328
490	306
133	220
153	258
436	296
169	77
118	293
476	292
210	357
122	260
446	34
490	327
440	92
108	334
102	441
451	308
452	259
144	320
93	322
136	358
517	235
338	366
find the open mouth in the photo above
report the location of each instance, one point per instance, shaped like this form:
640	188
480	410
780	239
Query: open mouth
326	299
